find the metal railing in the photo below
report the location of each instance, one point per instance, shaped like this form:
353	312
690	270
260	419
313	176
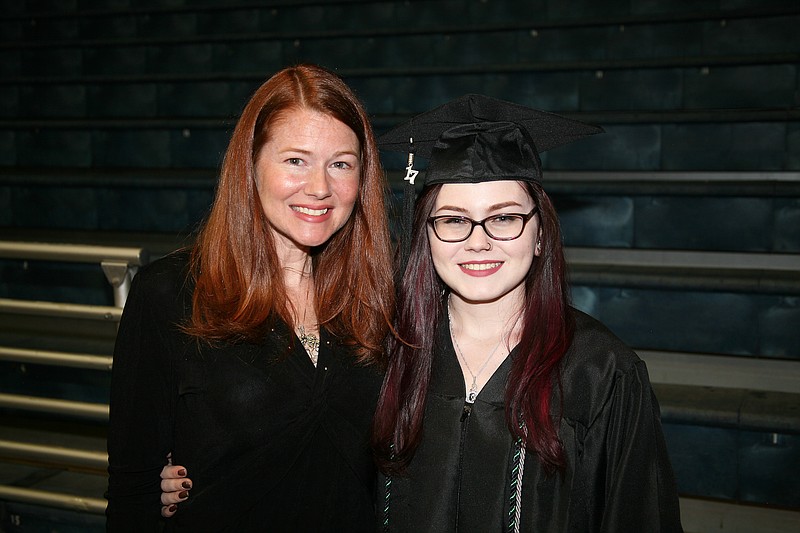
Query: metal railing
119	264
55	406
61	310
48	357
54	454
53	499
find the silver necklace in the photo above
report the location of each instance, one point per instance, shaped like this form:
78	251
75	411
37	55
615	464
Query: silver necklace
472	394
309	340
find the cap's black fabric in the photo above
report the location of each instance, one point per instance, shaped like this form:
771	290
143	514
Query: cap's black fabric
477	138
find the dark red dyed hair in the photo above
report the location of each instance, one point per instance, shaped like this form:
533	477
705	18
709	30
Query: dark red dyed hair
239	285
546	335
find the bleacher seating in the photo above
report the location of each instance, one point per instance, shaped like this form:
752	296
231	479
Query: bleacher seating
682	222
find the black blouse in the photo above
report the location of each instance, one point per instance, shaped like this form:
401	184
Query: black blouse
618	476
271	442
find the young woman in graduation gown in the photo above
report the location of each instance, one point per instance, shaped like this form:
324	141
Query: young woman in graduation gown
503	408
255	357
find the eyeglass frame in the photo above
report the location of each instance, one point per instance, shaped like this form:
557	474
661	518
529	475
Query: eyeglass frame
482	223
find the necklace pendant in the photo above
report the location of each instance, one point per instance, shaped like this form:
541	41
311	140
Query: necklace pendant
310	342
471	395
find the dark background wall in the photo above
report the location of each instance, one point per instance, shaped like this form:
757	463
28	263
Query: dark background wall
682	222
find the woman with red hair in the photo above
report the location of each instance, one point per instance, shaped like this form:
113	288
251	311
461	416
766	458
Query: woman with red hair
256	354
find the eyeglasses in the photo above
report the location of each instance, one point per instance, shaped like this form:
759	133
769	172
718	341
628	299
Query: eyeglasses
503	227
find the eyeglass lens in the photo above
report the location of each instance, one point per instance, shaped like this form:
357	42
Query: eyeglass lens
497	227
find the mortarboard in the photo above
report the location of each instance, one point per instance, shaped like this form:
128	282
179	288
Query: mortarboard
477	138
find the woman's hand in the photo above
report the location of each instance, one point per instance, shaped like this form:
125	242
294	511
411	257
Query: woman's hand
174	488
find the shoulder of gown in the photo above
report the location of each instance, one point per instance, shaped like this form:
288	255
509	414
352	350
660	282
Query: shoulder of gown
593	367
619	444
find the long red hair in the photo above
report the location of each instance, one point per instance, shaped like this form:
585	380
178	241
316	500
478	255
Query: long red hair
239	288
547	330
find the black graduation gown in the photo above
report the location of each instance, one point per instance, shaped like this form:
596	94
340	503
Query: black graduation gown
271	442
618	477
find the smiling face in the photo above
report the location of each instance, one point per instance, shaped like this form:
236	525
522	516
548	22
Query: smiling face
480	269
308	175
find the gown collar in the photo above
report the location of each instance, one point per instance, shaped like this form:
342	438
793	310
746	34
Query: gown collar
447	377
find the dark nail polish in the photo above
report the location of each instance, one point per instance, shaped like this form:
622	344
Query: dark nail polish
182	472
173	508
186	485
183	495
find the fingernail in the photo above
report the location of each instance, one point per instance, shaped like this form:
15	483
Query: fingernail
182	472
183	495
173	508
186	485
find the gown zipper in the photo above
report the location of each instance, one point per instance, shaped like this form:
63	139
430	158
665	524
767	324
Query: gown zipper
465	415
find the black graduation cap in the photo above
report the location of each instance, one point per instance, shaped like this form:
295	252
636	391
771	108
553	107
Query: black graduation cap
477	138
